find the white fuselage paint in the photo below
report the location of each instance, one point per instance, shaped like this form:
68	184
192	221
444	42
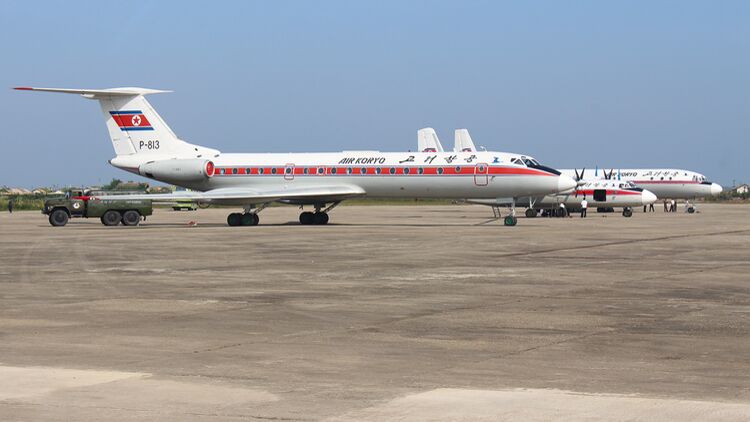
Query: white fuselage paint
611	194
664	183
407	174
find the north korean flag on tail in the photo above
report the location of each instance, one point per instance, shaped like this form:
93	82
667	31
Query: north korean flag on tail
131	120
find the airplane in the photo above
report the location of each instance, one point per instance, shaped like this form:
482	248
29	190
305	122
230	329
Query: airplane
664	183
145	145
598	194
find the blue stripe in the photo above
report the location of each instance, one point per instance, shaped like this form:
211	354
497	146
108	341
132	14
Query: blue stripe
136	128
114	113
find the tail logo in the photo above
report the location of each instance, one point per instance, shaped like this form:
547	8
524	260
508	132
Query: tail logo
129	120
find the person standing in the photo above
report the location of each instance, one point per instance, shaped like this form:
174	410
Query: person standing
665	205
563	212
11	204
651	207
584	206
674	206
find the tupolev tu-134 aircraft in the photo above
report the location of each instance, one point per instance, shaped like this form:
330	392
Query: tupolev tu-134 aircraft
146	146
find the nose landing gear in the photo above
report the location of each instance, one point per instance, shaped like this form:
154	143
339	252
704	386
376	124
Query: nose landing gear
627	212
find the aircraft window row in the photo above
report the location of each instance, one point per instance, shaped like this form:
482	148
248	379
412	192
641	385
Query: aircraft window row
335	170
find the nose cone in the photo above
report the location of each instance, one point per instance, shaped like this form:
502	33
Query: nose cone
648	197
715	189
565	183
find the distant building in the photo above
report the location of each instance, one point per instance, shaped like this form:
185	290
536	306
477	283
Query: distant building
742	189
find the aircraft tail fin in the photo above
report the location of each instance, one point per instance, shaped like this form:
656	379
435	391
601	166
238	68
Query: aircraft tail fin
463	142
427	140
134	126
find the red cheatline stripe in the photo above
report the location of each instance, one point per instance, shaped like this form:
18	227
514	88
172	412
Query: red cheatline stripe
643	182
384	170
23	88
609	192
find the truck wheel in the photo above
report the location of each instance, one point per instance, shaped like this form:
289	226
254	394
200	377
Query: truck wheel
131	218
111	218
58	218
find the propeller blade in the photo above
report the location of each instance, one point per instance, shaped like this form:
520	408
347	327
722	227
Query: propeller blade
577	176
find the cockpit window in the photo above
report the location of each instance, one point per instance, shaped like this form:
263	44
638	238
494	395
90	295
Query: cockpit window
517	161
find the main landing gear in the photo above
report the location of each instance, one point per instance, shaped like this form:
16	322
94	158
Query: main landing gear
247	218
319	217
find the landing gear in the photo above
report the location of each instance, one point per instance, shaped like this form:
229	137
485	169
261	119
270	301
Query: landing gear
243	219
511	220
627	212
317	218
531	213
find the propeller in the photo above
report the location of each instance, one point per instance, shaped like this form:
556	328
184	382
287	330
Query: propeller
578	179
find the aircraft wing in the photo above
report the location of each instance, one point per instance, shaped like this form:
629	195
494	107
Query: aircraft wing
248	196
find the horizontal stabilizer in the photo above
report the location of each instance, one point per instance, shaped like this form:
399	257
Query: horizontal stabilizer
96	93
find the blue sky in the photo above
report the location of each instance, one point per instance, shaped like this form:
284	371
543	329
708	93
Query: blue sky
585	83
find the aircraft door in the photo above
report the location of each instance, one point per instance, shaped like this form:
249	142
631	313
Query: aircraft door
289	172
481	171
600	195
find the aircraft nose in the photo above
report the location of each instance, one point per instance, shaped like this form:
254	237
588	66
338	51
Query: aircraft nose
565	183
716	189
647	197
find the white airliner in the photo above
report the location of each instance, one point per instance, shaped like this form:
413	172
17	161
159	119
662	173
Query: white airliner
597	193
145	145
664	183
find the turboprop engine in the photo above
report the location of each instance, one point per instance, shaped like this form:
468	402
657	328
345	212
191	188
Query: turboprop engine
178	170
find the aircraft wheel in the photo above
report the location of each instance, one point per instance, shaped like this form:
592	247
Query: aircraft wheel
250	219
510	220
627	212
691	210
530	213
320	218
111	218
306	218
131	218
234	219
58	218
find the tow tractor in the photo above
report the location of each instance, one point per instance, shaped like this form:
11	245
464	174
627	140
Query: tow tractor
111	212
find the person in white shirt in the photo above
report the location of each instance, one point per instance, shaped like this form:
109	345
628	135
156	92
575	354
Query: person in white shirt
584	206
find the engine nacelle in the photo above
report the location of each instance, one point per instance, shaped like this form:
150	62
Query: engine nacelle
178	170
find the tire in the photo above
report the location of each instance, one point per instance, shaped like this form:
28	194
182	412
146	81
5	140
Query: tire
627	212
250	219
234	219
691	210
510	221
58	218
320	218
530	213
306	218
111	218
131	218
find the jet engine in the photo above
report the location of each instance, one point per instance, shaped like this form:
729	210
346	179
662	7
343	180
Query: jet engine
178	170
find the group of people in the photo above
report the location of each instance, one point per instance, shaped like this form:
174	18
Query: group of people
669	205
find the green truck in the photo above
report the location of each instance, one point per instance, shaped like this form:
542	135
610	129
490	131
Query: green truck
112	212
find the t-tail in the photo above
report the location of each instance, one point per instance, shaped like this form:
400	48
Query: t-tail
139	135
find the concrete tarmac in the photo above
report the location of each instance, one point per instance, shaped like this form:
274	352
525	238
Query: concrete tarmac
388	313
